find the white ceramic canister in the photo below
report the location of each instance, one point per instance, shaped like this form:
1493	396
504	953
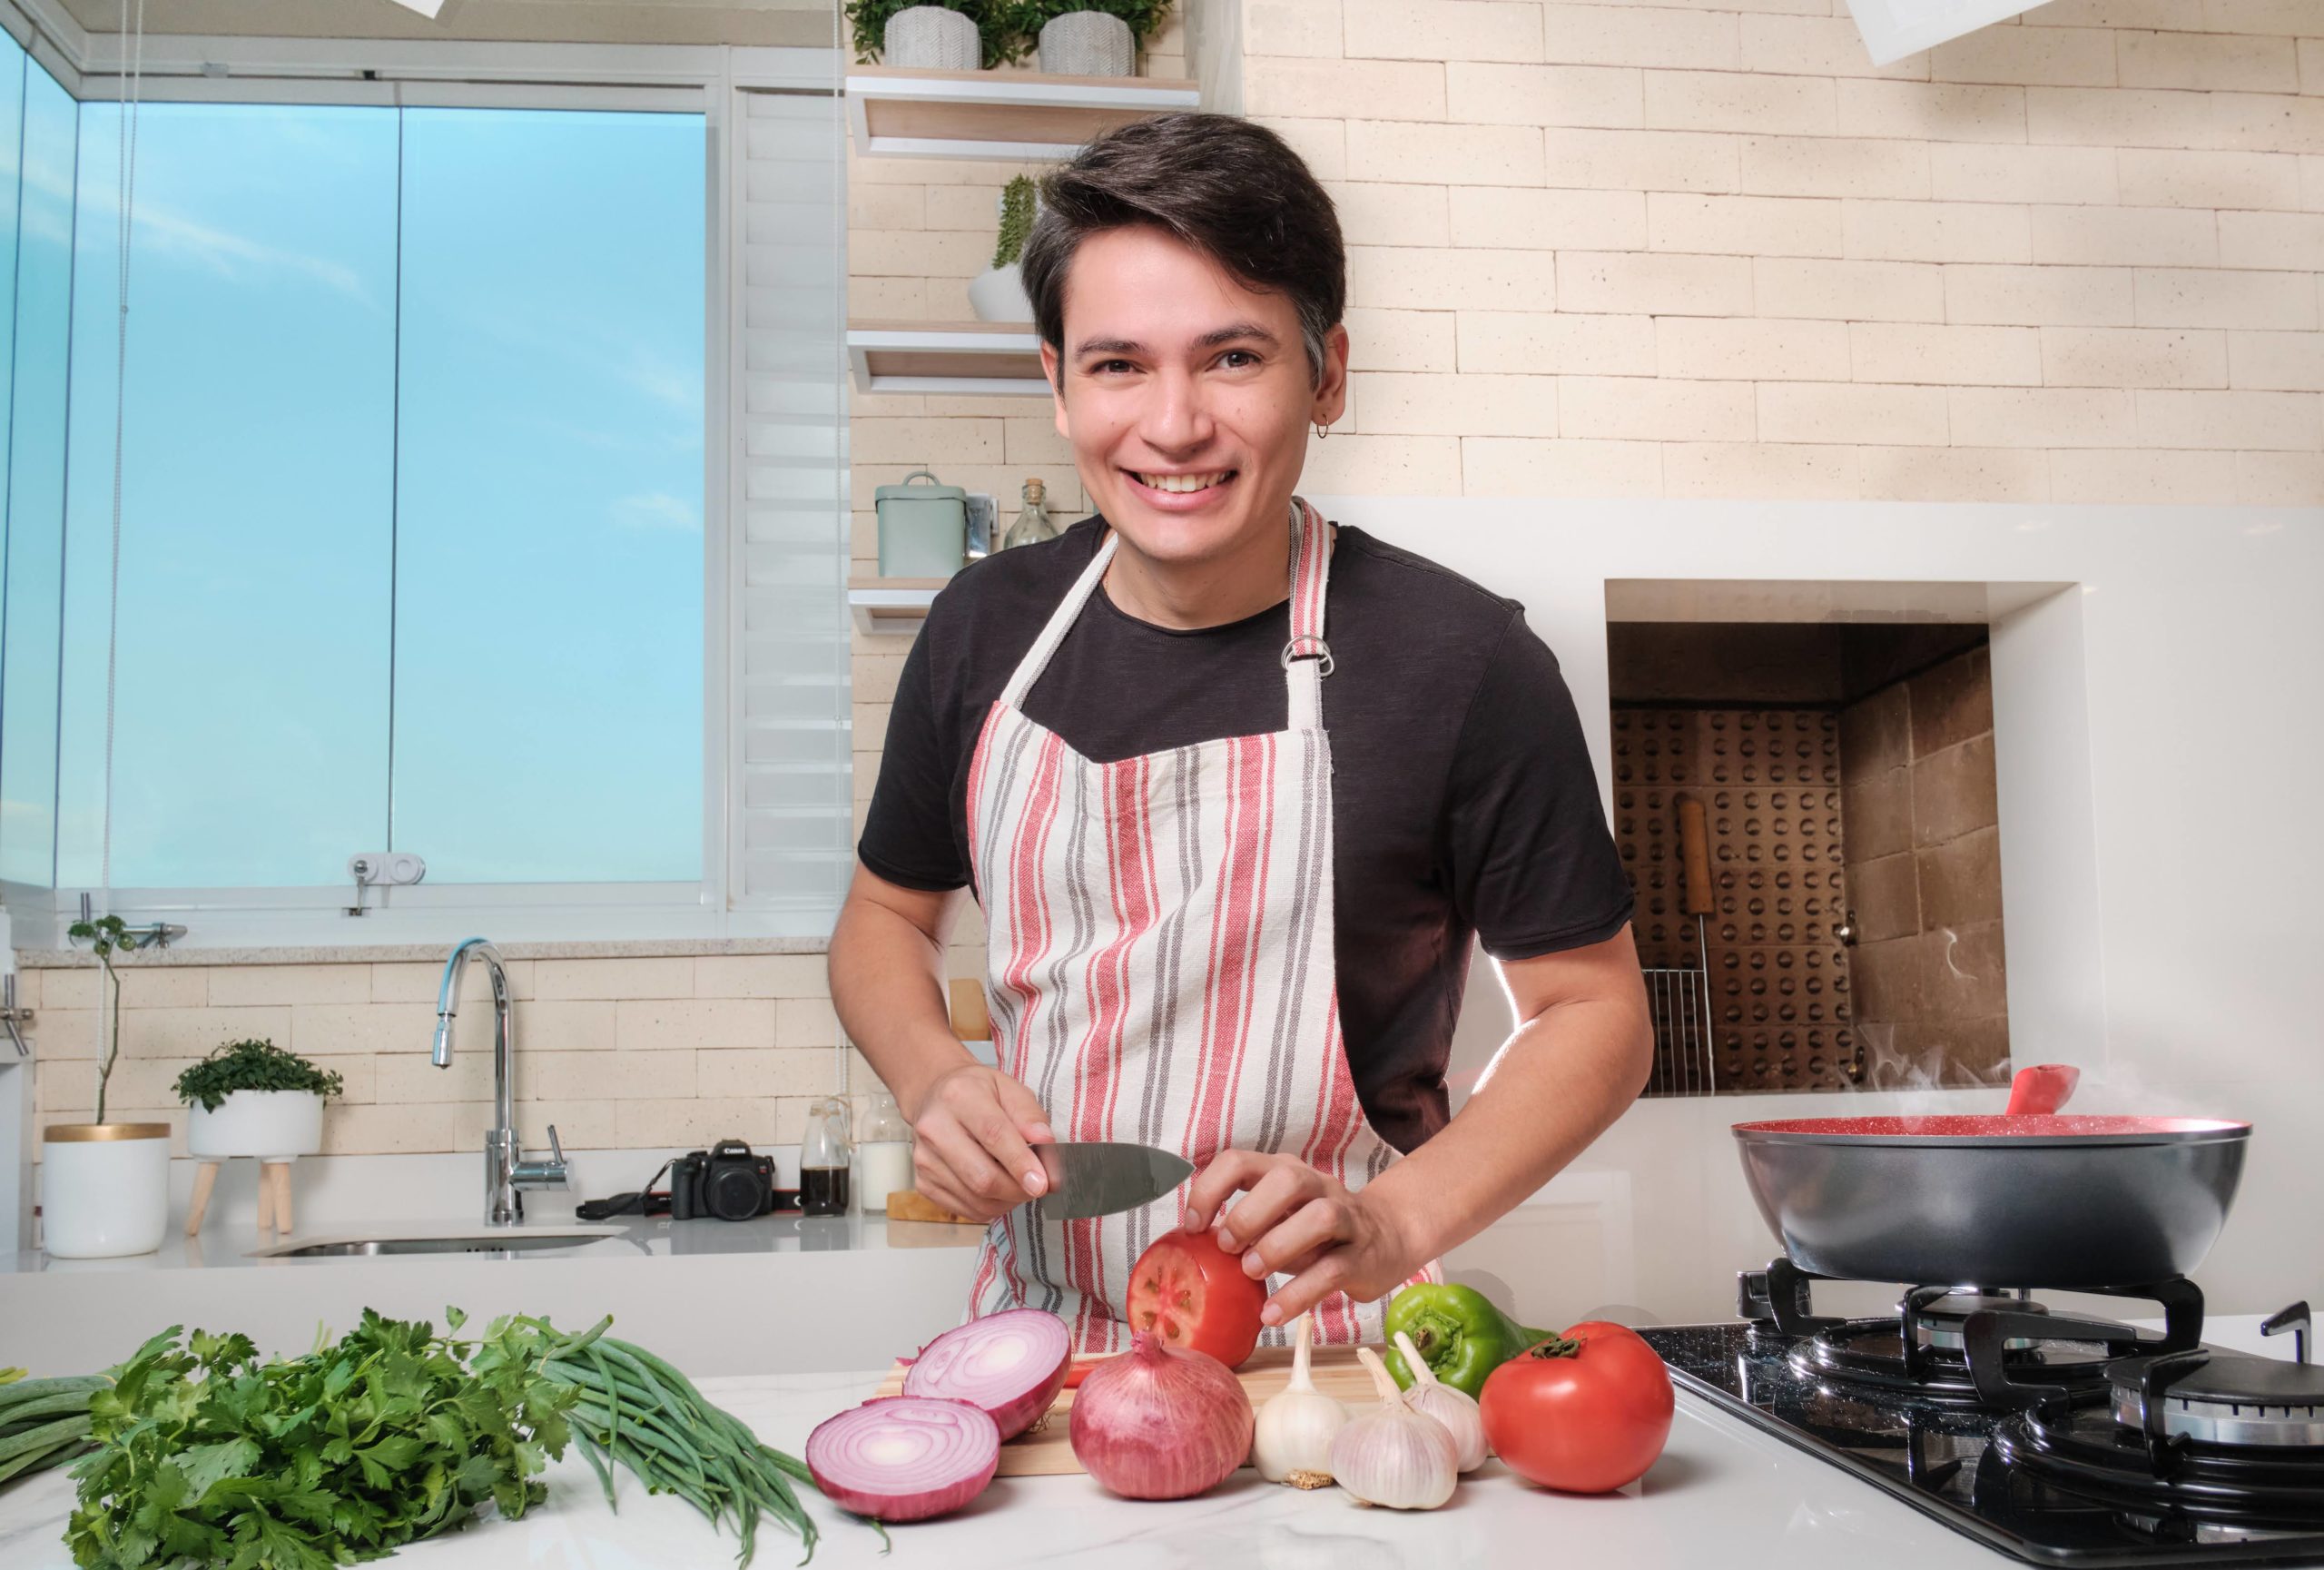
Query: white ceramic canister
930	38
272	1125
105	1189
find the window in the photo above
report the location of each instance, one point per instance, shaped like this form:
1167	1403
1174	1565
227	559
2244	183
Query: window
38	138
412	549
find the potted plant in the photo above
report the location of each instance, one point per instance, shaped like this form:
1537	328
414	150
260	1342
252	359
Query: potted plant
252	1098
948	35
104	1186
1093	37
997	293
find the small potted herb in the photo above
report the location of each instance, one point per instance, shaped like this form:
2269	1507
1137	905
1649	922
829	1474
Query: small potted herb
946	36
250	1098
997	293
104	1187
1092	37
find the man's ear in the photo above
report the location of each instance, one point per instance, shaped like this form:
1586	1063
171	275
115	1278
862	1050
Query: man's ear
1331	386
1051	371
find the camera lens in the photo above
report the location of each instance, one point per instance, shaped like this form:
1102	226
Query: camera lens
735	1192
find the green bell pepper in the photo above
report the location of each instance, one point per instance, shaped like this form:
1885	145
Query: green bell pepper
1457	1331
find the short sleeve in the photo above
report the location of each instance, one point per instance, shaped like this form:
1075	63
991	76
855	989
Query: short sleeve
1533	868
907	831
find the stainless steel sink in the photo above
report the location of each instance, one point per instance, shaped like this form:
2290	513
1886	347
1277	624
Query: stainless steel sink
512	1241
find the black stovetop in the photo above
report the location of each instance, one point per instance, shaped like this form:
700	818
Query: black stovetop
1939	1457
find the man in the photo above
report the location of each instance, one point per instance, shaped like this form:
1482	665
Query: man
1235	788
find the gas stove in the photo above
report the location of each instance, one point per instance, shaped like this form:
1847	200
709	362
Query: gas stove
2051	1436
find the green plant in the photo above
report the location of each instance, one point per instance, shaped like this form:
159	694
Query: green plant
1016	220
1001	33
206	1451
250	1066
107	933
1145	16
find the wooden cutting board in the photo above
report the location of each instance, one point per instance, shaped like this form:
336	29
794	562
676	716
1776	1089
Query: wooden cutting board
1045	1451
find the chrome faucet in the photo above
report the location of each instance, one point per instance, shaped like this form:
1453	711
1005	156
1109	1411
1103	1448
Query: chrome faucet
506	1174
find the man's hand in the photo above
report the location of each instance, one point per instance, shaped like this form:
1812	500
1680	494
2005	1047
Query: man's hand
1294	1220
974	1125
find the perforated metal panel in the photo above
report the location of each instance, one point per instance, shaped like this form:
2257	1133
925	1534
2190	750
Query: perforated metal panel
1769	782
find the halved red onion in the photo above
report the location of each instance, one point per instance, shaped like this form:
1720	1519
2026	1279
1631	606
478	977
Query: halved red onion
904	1457
1011	1364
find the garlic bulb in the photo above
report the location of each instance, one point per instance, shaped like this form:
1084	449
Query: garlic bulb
1456	1410
1294	1440
1392	1455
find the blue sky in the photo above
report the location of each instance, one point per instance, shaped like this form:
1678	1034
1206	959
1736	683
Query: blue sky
414	456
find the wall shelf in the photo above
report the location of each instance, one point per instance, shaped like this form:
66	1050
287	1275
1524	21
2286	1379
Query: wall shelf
891	606
1011	116
946	357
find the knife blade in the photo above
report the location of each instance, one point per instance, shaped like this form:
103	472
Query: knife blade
1098	1178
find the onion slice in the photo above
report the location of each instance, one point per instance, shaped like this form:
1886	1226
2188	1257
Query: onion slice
904	1457
1011	1365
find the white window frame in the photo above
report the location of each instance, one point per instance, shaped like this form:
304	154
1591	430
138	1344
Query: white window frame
453	73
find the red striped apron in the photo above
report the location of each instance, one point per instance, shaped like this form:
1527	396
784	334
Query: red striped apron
1160	961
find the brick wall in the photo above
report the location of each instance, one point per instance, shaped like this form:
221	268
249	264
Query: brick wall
617	1052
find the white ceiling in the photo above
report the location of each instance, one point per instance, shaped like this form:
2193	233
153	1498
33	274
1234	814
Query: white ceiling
760	22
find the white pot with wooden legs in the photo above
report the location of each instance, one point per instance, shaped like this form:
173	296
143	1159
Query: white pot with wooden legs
274	1126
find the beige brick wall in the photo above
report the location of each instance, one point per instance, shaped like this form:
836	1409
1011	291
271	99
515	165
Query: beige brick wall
617	1052
1705	250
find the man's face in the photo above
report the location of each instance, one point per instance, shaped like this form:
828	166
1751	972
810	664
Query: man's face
1185	394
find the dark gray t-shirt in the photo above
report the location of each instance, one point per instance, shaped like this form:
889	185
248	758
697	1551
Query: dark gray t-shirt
1461	792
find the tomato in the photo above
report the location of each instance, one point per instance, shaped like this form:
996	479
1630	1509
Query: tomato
1193	1294
1585	1420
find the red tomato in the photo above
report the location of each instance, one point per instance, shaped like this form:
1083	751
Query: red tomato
1586	1422
1193	1293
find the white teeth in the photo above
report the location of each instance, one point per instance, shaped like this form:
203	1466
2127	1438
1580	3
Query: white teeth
1182	482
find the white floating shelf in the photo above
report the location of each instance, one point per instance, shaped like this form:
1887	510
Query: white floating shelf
891	606
946	357
1009	116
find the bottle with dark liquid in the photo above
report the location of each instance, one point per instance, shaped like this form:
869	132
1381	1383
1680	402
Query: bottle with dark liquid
823	1190
824	1151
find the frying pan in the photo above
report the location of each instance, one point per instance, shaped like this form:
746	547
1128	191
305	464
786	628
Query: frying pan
2027	1198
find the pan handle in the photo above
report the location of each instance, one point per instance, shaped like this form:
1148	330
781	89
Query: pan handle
2039	1090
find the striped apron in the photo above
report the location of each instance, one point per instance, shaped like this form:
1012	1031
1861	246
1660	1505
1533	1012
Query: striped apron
1160	964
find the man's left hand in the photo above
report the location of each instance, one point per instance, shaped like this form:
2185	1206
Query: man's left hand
1294	1220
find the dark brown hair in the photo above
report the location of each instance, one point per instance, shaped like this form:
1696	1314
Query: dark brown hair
1229	188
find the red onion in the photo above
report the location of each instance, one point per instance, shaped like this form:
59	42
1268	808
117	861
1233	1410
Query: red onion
904	1457
1160	1423
1010	1364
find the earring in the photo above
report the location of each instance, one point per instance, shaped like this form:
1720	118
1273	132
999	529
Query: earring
1322	430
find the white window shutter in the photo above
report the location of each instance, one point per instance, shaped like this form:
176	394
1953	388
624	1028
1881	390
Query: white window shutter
795	791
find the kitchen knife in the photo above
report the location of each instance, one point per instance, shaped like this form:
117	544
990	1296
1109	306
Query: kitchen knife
1100	1178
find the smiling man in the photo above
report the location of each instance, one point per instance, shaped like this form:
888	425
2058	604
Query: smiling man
1236	787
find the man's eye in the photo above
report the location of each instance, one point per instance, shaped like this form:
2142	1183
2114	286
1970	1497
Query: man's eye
1235	359
1106	367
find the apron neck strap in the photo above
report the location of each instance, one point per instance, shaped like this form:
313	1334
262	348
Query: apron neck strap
1307	657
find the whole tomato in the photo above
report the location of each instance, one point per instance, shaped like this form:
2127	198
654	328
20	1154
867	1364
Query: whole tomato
1584	1412
1192	1293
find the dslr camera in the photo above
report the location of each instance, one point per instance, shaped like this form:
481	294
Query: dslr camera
726	1182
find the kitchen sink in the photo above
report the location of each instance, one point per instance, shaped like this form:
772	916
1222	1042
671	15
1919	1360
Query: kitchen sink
512	1241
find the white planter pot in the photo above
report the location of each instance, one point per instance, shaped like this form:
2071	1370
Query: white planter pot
997	294
272	1125
105	1189
1088	44
931	39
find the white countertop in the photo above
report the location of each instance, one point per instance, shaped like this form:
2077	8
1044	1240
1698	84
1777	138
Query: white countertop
1717	1488
1722	1494
627	1238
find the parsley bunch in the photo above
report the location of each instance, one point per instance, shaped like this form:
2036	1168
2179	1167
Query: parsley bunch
208	1453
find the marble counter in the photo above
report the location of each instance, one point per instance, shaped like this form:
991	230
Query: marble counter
743	1298
1719	1496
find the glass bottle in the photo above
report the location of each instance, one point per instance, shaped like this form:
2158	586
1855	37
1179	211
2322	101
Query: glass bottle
1032	525
884	1153
824	1153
